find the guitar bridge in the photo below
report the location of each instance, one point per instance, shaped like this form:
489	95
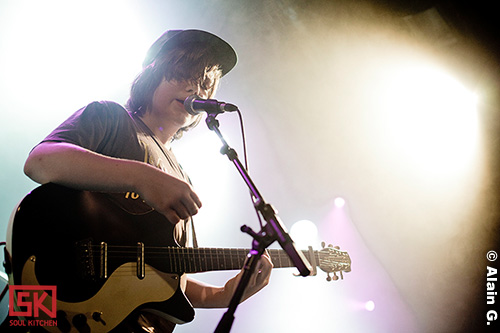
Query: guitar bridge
88	262
85	255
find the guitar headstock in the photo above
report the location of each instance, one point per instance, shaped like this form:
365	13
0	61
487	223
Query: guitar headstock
332	260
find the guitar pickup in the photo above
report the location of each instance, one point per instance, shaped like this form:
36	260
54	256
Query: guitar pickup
141	264
103	260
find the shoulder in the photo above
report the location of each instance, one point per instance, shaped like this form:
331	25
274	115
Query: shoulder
105	106
103	110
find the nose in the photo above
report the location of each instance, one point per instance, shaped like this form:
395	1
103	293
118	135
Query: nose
195	88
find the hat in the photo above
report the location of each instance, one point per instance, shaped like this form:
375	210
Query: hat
224	53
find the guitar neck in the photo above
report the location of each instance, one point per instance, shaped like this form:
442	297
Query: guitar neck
191	260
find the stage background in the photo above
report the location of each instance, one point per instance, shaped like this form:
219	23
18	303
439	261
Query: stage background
393	108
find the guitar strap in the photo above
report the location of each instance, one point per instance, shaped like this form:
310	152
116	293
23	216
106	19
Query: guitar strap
139	121
193	232
195	241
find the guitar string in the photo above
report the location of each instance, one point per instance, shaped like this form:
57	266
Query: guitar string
158	252
211	258
150	249
205	257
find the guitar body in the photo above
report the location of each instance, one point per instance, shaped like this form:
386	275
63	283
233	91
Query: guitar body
55	241
109	255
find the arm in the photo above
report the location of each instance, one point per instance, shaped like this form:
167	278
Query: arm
206	296
73	166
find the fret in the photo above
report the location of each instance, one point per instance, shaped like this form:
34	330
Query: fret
222	264
196	260
186	261
201	260
216	257
178	259
229	259
231	253
206	260
212	265
223	259
190	260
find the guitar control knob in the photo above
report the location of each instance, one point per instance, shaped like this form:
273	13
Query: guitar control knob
97	316
63	323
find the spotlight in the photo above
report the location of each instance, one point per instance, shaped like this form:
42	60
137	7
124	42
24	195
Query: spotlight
339	202
370	306
304	233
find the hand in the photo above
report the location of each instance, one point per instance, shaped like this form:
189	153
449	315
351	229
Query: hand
170	196
258	280
206	296
76	167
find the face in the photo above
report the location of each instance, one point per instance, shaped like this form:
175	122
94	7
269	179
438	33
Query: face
168	101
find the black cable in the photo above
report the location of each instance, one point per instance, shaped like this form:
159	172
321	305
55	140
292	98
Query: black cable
245	157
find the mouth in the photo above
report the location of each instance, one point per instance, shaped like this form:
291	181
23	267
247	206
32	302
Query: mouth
181	102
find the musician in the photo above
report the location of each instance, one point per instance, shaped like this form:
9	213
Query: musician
110	148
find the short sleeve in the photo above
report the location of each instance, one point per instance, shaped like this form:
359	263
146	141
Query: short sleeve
91	126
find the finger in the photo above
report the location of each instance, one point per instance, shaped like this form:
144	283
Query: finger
172	216
196	199
190	207
265	261
182	211
266	256
262	270
266	267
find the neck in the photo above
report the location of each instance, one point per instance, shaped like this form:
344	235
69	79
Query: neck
163	131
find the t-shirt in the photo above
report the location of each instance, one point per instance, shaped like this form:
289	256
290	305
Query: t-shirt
108	128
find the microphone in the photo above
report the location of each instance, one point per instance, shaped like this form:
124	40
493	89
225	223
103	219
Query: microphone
195	105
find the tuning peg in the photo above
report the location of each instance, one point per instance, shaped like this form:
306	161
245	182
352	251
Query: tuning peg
334	277
323	244
330	278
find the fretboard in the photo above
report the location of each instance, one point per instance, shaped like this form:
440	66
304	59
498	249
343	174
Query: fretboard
190	260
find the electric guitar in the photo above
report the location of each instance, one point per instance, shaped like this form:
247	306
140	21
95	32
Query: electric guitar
109	254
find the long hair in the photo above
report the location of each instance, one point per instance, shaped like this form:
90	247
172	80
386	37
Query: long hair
192	62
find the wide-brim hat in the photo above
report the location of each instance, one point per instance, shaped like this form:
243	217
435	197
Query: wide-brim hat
224	53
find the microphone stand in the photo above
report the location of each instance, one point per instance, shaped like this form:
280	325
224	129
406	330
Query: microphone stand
274	230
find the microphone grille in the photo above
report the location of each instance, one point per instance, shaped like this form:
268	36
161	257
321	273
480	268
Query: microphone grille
188	105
